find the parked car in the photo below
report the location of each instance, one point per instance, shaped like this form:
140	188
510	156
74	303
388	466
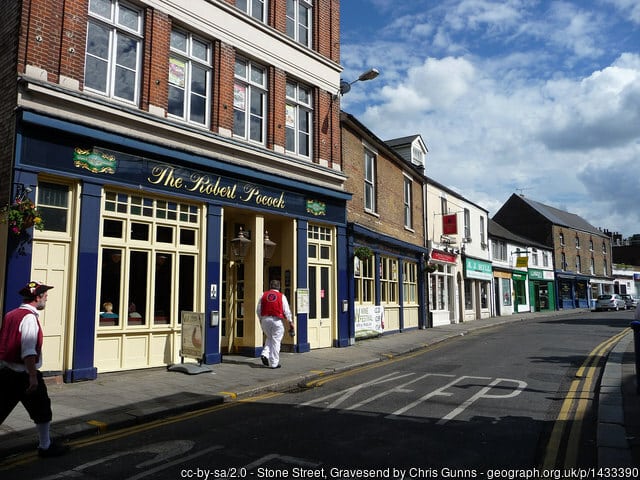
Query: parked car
630	300
610	301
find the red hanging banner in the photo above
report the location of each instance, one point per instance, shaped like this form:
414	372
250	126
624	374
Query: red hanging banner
450	224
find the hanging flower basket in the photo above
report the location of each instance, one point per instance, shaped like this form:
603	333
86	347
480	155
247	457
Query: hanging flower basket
20	215
430	267
363	253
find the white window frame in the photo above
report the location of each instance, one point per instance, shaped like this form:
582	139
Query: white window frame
117	30
249	7
467	223
299	107
369	199
191	62
300	20
250	81
410	283
389	281
364	278
408	203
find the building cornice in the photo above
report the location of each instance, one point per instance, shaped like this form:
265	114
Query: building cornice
96	112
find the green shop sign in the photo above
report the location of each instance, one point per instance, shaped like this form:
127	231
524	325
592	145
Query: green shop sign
535	274
478	269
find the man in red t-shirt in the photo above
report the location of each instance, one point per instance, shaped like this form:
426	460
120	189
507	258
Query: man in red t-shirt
20	358
273	310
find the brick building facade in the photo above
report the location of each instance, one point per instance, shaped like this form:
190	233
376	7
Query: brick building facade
153	134
385	218
582	254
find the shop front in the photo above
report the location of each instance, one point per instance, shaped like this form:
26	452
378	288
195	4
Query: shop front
388	283
573	290
442	288
477	286
541	290
137	233
503	291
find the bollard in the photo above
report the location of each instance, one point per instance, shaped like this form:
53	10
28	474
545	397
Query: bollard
635	325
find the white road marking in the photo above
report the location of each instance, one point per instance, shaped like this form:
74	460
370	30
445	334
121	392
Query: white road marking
438	392
483	394
345	394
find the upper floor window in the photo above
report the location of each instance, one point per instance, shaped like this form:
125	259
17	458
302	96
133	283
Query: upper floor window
604	248
444	208
113	53
467	223
417	156
577	241
408	221
499	250
256	8
249	101
369	181
561	238
299	119
299	21
534	257
591	244
189	77
482	239
578	264
563	261
592	267
545	259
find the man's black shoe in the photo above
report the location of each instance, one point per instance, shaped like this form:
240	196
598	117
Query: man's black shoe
265	361
54	450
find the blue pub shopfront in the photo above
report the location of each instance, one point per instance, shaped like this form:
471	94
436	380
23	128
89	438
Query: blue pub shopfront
137	233
573	290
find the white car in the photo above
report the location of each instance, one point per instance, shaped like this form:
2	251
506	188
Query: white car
610	301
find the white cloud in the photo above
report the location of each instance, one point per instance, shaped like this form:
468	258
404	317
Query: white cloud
502	109
628	8
494	15
599	111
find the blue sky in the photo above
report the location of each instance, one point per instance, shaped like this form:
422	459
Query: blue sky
511	96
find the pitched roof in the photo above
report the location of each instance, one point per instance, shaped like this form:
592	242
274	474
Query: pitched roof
396	142
562	218
497	230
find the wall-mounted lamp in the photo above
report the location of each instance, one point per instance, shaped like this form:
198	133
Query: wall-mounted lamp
269	246
370	74
22	192
240	246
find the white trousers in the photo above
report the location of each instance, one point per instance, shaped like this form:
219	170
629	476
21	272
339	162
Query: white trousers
273	328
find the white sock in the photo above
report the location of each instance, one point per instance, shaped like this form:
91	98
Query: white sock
43	435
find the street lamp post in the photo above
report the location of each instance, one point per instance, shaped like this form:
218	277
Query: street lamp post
370	74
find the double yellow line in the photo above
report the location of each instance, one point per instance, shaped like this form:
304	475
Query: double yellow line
574	407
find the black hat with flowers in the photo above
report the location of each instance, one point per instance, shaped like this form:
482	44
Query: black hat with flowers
33	289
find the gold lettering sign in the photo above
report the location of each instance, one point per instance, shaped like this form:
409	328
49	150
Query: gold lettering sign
165	176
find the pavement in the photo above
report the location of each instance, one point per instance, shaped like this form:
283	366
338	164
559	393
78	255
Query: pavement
121	399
